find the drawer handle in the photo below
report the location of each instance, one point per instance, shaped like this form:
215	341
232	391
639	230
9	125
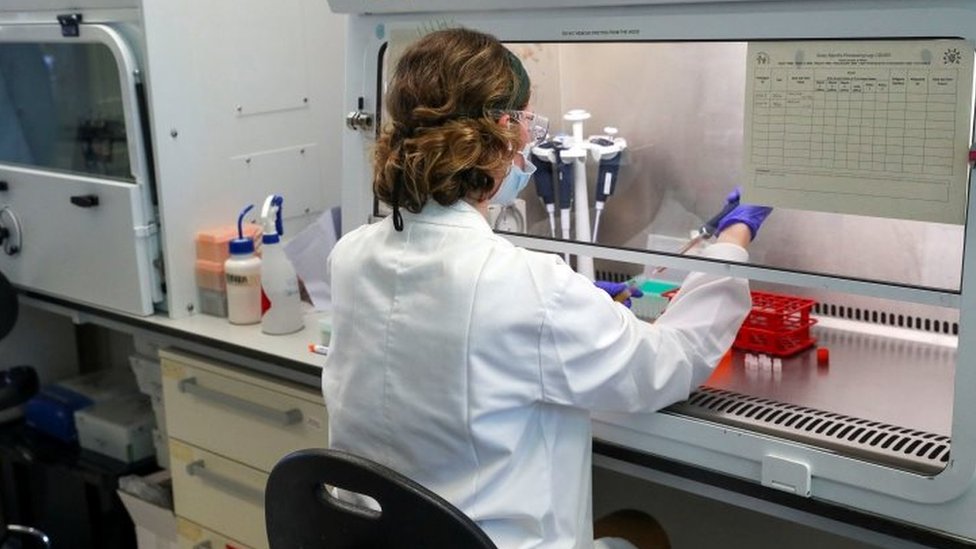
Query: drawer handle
199	469
284	417
85	200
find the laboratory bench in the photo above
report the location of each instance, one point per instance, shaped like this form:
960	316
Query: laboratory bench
234	402
237	400
283	356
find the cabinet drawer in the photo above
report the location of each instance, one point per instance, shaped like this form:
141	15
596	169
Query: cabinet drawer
190	535
247	418
218	493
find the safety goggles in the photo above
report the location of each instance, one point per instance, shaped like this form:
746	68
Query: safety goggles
536	124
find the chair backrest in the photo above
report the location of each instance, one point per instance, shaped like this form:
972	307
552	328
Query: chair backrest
8	306
302	514
8	317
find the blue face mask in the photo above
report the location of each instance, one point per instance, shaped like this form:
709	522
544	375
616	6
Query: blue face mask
515	180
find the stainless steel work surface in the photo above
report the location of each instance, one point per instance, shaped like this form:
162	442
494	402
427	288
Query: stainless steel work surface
895	376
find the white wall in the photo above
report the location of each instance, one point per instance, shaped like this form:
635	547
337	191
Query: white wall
43	340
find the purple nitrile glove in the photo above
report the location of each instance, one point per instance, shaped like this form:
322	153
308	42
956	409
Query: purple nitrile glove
752	216
614	289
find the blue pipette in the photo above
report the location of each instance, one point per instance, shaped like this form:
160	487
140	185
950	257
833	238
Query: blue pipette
566	174
544	187
606	184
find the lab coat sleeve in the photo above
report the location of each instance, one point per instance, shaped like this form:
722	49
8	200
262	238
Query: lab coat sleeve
596	354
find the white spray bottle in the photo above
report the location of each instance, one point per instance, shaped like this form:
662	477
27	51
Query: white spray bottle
281	311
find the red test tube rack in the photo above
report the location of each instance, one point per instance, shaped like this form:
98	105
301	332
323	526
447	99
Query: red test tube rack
777	325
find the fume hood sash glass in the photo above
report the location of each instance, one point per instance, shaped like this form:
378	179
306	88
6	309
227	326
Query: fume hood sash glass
61	109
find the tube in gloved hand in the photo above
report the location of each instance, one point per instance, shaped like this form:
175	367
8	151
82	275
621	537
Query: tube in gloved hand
622	296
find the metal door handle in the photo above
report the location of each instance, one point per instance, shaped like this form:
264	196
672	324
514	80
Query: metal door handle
284	417
199	469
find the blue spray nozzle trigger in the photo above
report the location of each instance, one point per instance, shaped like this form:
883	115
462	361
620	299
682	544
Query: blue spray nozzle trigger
278	227
271	219
241	245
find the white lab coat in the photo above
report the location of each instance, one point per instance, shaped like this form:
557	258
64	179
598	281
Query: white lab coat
471	366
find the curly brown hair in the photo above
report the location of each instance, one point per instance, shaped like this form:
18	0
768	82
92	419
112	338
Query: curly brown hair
442	140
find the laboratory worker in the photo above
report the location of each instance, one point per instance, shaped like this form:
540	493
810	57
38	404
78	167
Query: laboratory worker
469	364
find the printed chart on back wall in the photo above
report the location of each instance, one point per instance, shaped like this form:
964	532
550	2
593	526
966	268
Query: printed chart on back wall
878	128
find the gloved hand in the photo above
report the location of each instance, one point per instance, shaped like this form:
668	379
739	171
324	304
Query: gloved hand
748	214
616	288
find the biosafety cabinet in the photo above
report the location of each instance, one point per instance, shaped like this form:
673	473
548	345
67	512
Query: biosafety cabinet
130	125
854	120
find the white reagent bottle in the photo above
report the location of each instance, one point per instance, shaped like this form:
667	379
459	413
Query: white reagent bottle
242	270
281	311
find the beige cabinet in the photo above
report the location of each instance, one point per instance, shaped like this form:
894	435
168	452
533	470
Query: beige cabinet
190	535
227	429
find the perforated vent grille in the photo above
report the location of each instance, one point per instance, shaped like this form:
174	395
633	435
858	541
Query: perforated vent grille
918	451
888	319
874	316
612	276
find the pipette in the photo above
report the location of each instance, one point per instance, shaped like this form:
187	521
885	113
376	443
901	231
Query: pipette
706	231
543	157
608	150
566	175
606	183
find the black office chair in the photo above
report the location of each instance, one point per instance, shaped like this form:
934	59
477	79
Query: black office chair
9	306
302	514
23	536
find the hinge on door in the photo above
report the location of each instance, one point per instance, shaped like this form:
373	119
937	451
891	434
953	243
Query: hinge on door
145	231
69	24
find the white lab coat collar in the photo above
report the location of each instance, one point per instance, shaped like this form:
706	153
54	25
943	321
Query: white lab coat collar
459	214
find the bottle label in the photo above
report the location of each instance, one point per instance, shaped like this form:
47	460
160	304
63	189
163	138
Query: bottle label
291	287
242	280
